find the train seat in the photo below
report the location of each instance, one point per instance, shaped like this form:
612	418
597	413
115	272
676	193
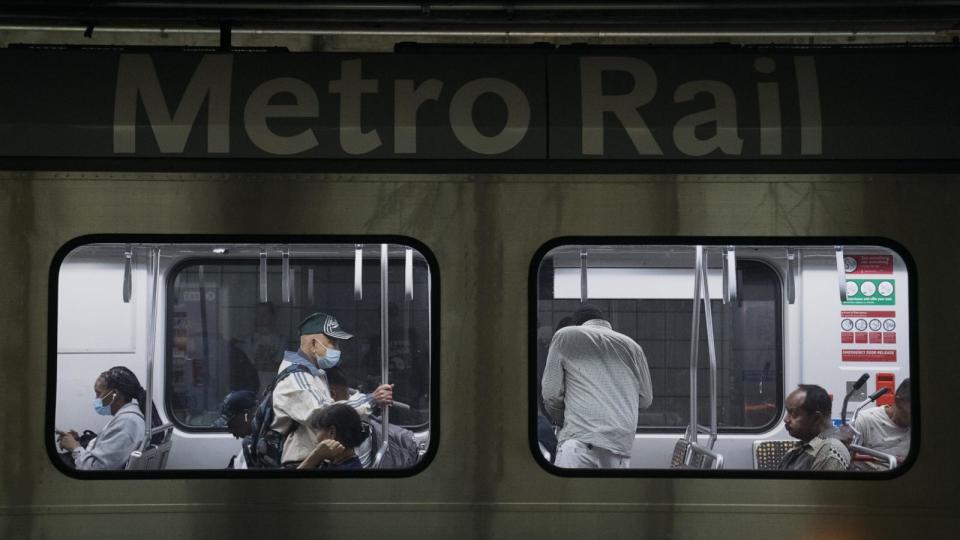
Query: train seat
768	454
154	456
700	457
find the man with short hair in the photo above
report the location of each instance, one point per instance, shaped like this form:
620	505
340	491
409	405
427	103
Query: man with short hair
236	414
808	419
886	429
301	396
594	384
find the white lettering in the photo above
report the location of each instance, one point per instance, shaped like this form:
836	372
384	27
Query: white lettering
723	115
518	116
808	88
259	109
351	86
771	138
137	76
407	101
624	106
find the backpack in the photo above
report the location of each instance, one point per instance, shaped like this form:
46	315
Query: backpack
263	448
402	449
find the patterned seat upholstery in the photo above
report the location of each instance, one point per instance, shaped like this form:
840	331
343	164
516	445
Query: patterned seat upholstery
768	454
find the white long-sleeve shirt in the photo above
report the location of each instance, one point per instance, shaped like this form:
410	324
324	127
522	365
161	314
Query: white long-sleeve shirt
111	449
595	381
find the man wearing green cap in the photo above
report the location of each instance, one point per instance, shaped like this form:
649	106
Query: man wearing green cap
298	398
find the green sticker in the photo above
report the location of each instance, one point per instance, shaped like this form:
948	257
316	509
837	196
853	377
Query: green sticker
870	292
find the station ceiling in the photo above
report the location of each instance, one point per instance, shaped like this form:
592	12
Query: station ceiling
547	15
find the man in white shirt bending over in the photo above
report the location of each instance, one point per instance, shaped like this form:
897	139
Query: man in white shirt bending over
887	428
594	383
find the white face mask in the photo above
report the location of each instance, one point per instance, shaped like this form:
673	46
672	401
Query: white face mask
330	359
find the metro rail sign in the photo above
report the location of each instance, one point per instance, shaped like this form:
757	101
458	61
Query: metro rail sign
718	103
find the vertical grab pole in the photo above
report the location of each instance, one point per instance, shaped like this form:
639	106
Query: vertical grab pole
791	277
263	275
285	281
583	276
127	274
408	275
711	349
358	273
152	319
841	274
384	351
310	298
694	428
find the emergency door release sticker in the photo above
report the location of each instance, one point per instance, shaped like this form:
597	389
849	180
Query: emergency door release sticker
870	292
868	264
868	355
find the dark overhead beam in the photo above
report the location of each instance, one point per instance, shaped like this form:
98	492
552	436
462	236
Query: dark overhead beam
636	15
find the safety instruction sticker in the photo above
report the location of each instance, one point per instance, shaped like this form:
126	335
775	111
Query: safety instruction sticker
868	326
868	264
870	292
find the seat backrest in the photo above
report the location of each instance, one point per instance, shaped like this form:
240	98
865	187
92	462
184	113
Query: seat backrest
768	454
699	460
154	456
679	457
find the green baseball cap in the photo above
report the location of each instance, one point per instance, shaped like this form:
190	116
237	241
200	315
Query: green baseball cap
321	323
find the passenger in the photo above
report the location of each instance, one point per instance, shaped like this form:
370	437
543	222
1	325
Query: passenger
808	419
339	430
404	451
886	429
236	414
117	393
298	398
546	431
157	438
594	383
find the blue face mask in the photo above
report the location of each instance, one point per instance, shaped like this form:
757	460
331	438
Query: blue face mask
331	359
103	410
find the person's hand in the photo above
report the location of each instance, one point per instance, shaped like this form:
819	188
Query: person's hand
383	395
328	449
69	441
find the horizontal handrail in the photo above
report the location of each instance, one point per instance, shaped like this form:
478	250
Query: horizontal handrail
890	459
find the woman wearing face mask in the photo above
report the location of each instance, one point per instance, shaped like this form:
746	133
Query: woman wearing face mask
115	391
339	431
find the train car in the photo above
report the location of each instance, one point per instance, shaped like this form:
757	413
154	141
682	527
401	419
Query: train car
193	206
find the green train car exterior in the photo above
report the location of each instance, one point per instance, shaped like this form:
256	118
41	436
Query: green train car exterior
483	225
483	230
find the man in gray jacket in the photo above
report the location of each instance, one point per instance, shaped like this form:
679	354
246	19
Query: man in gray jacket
594	383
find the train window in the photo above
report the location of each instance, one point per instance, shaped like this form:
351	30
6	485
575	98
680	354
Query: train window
224	338
750	360
208	328
702	346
